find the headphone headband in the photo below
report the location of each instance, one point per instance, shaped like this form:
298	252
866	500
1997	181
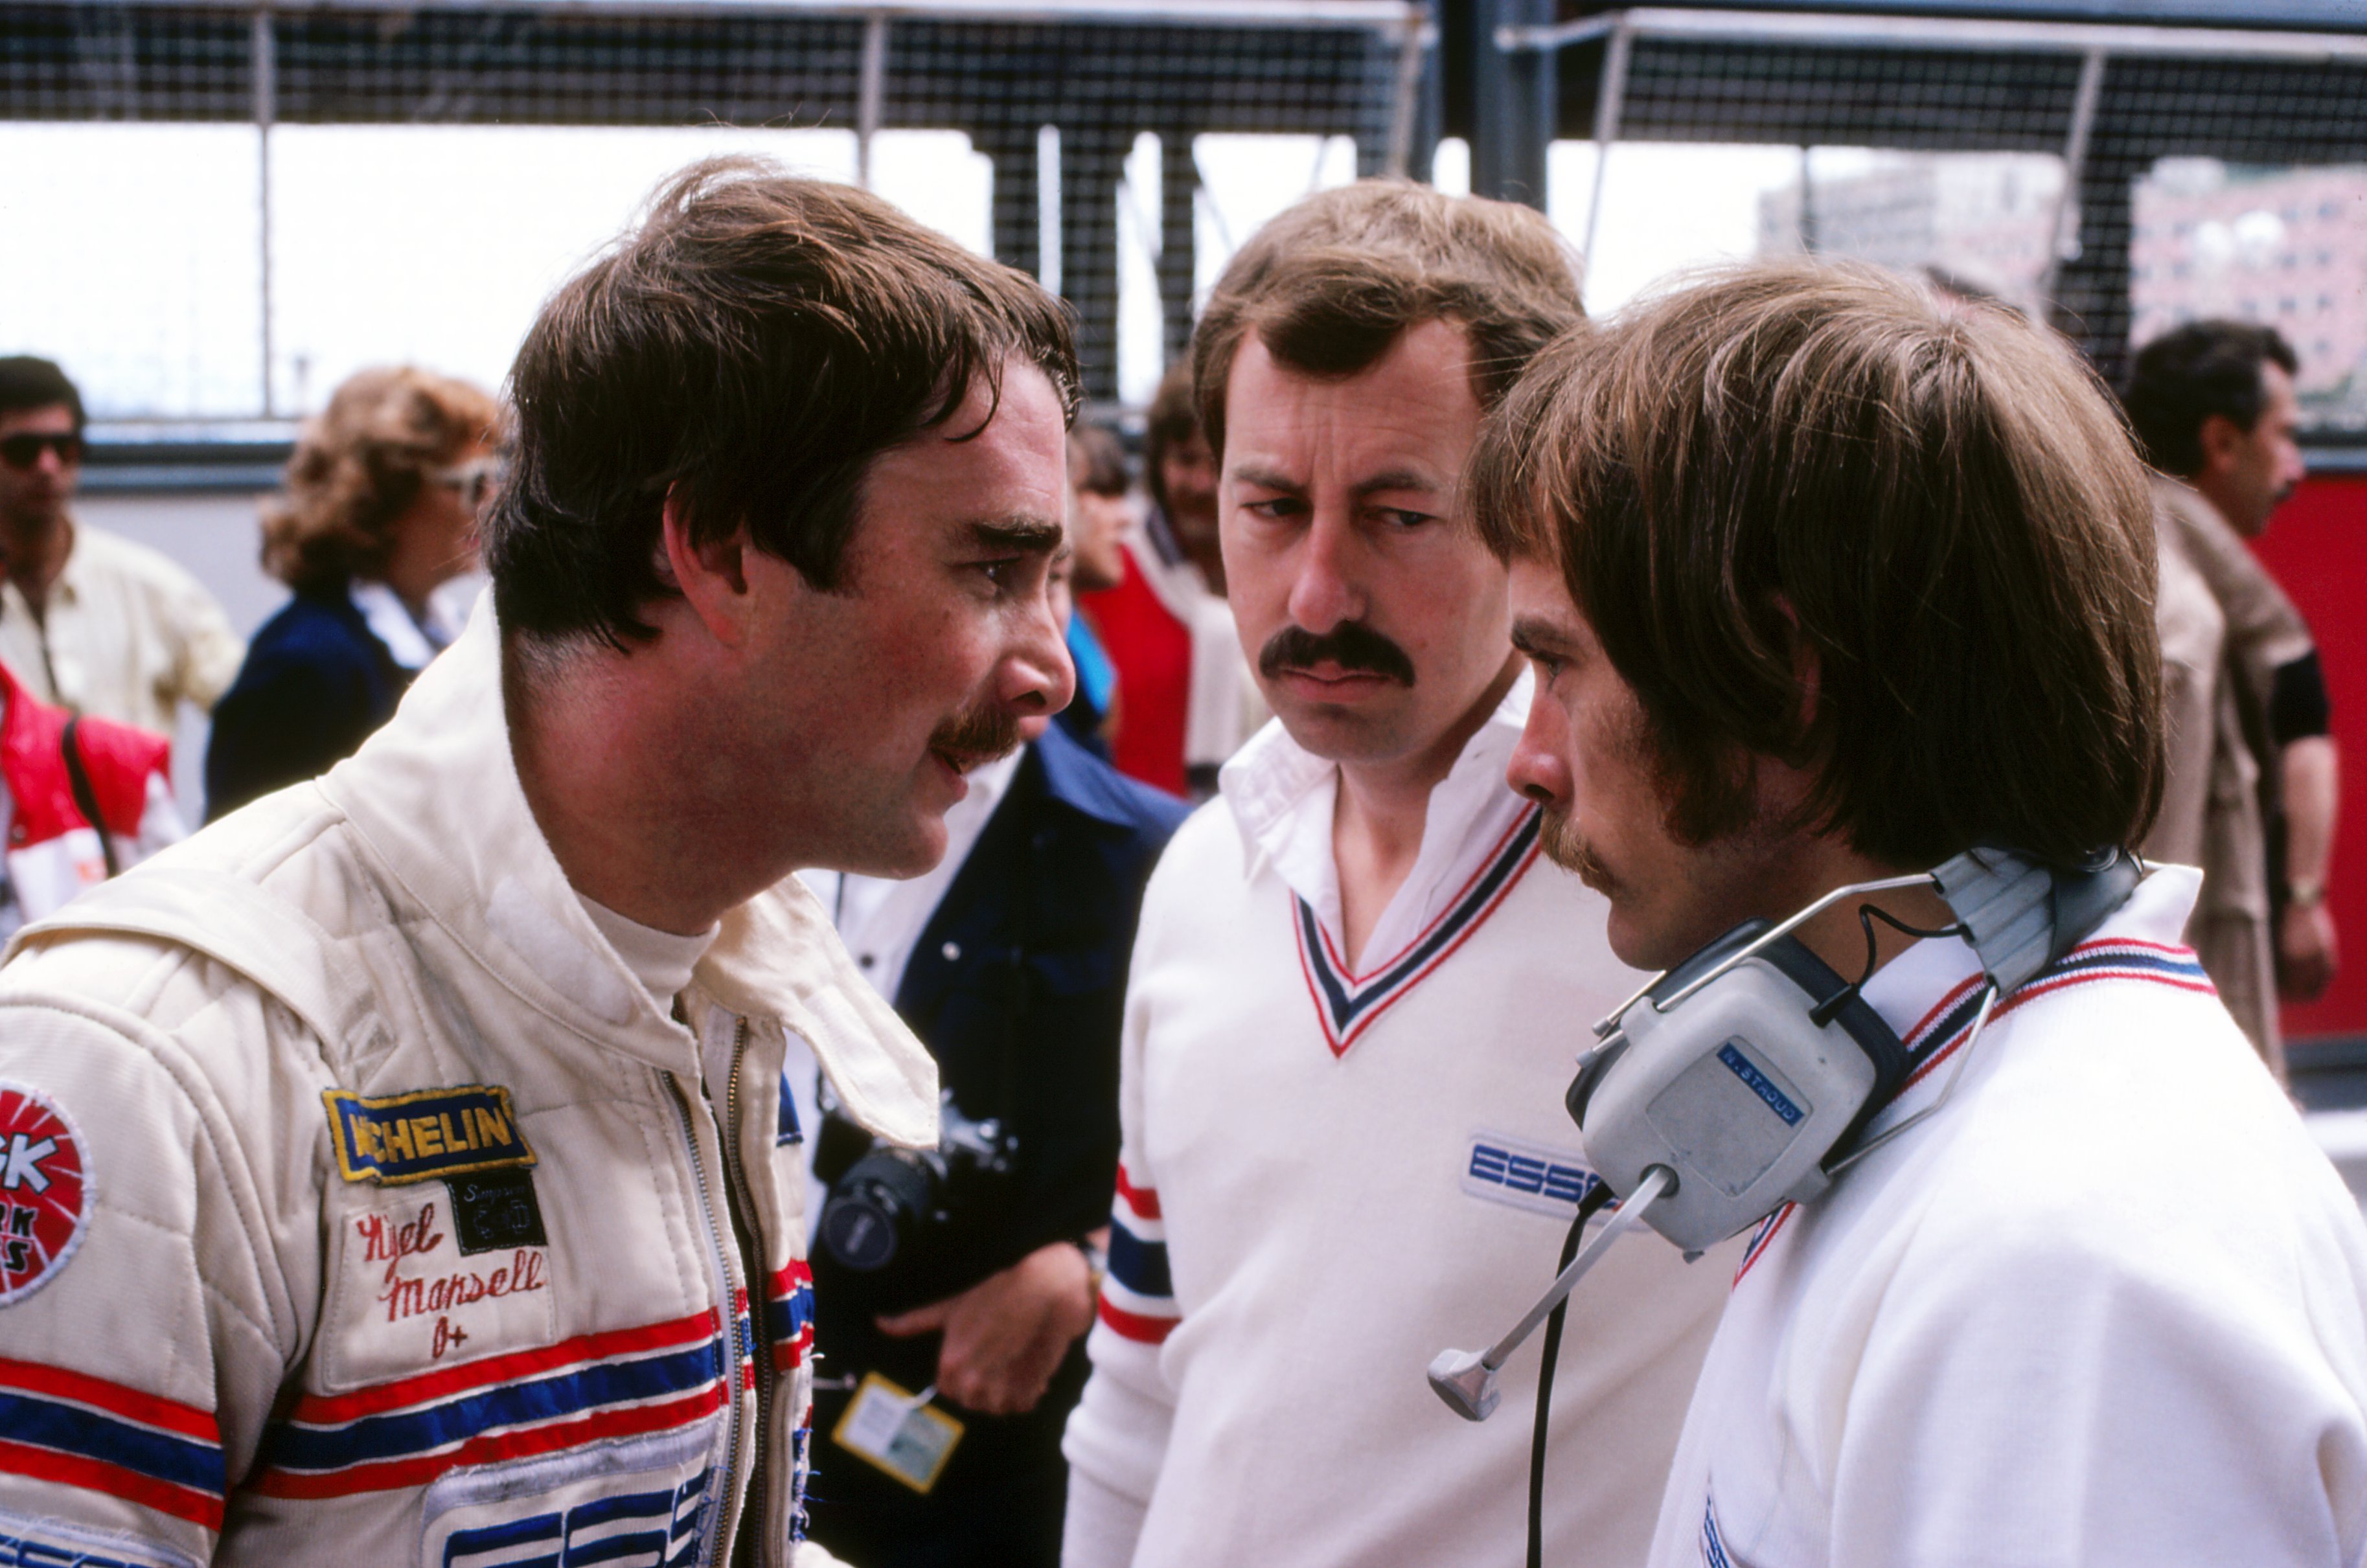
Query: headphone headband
2018	916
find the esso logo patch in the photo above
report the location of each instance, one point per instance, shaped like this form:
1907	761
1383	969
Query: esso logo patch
44	1196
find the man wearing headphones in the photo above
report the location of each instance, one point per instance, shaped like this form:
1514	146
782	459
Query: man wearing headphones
1825	581
1354	994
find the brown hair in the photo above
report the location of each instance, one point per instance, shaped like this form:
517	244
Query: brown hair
1099	460
359	464
748	349
28	382
1172	419
2185	376
1937	502
1330	284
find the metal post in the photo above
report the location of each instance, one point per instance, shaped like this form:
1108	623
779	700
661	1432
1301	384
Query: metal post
1609	101
1049	238
263	58
870	89
1513	100
1810	241
1090	160
1413	47
1179	188
2092	302
2065	241
1430	104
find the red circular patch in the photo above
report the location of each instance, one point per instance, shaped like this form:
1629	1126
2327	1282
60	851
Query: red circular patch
44	1201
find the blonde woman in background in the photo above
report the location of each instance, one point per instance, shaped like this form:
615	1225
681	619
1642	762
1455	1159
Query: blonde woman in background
378	511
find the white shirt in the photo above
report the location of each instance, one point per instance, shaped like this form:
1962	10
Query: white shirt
2108	1305
1284	797
662	962
124	633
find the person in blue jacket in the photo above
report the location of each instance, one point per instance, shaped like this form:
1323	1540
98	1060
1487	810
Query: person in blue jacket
1099	519
1010	963
376	514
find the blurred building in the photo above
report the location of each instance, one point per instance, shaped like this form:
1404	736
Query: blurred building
2283	246
1988	217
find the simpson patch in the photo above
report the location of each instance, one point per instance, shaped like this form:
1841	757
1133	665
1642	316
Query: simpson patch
401	1138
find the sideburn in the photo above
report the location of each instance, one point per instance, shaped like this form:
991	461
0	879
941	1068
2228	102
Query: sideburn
1708	787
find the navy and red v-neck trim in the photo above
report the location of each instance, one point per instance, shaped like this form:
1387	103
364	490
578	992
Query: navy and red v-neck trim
1347	1004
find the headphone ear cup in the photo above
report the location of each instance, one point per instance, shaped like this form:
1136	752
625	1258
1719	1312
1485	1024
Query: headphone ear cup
1741	1088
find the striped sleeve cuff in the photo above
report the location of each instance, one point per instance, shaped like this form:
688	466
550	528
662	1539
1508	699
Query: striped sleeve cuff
1138	1298
76	1431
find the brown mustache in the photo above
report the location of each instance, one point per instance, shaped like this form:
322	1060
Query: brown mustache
976	737
1352	645
1564	846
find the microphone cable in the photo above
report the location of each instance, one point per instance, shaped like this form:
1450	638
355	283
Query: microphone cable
1588	1207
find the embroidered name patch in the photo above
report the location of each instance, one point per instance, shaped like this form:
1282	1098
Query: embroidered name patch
44	1199
1527	1176
401	1138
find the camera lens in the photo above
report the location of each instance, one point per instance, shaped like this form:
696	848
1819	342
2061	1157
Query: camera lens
871	1211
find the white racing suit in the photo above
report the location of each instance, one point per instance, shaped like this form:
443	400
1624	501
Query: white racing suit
358	1206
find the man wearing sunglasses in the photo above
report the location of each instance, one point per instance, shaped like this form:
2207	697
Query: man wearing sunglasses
89	621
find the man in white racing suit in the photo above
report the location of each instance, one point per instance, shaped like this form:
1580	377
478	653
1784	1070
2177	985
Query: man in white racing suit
388	1173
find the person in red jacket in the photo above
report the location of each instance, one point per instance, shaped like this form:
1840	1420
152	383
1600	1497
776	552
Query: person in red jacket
84	799
1188	701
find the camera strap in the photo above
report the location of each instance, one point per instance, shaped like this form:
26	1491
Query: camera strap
86	797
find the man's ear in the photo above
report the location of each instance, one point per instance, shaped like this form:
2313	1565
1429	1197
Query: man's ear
2220	440
711	575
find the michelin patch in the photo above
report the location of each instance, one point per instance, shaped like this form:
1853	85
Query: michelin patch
397	1139
44	1191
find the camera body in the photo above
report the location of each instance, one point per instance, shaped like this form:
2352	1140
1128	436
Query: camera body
901	1217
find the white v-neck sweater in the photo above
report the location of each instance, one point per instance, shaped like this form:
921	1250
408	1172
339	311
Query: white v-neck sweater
1325	1182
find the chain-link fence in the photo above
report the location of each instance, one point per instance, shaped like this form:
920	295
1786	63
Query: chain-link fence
204	202
249	243
2118	178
